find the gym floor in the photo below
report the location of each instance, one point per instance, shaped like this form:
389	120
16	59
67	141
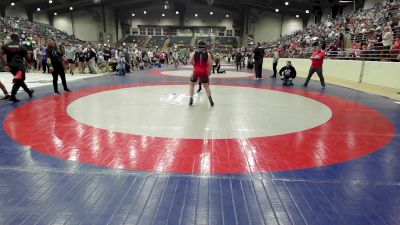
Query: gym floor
129	150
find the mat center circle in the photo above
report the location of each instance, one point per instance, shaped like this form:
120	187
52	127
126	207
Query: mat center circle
162	111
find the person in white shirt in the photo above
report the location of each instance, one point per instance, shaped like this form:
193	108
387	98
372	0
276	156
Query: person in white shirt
70	55
121	68
387	38
275	60
35	56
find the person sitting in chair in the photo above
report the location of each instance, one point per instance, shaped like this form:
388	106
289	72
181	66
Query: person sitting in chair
287	73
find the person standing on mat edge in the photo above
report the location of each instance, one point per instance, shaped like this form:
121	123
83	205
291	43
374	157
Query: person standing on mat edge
238	60
202	65
275	60
317	60
258	55
15	54
55	65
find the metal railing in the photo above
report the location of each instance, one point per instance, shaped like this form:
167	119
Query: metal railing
351	54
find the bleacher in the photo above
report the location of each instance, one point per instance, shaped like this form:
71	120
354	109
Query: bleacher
136	39
207	40
181	41
226	42
157	41
363	37
366	29
9	25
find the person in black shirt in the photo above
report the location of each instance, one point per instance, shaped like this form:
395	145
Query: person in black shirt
91	59
16	55
81	56
288	73
258	55
55	64
218	66
238	60
107	57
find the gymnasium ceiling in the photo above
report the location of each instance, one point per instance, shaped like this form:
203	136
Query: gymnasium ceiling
295	6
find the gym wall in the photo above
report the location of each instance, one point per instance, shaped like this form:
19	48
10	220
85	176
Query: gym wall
370	3
16	12
269	26
369	72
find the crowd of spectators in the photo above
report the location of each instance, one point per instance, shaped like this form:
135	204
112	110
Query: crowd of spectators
371	34
25	28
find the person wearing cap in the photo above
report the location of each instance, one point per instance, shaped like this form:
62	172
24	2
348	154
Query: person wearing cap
317	60
55	64
16	55
202	65
287	73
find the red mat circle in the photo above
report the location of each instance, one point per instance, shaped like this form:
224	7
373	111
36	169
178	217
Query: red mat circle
353	131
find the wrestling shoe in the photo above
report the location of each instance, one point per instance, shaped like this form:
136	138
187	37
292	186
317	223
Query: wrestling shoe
211	101
5	97
14	99
191	101
31	93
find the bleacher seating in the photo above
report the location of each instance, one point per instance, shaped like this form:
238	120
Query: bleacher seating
226	42
355	36
181	41
157	41
135	39
9	25
207	40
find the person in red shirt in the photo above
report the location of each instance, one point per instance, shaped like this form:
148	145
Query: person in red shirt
202	64
396	46
317	60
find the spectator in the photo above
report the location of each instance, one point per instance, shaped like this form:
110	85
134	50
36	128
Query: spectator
70	55
275	60
287	73
121	69
90	58
55	64
387	39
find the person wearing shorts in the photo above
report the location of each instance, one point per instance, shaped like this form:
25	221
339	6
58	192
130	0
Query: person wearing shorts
16	57
202	64
70	55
